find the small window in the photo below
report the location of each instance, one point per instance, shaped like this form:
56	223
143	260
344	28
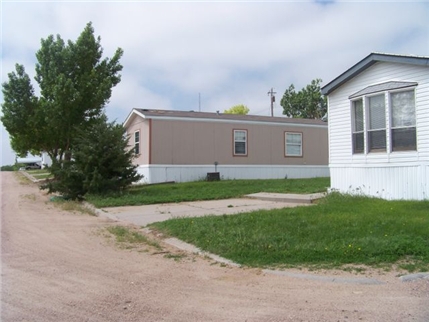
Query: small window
137	142
403	131
293	147
240	142
358	129
377	123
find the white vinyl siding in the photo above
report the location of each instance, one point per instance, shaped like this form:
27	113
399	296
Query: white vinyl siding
340	121
156	173
347	167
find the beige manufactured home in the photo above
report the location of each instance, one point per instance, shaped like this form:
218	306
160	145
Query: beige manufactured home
184	146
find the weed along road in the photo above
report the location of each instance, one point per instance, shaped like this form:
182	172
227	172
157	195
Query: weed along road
59	265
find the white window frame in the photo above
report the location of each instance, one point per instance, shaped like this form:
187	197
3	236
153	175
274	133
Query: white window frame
370	130
137	142
355	131
389	128
402	127
293	144
235	153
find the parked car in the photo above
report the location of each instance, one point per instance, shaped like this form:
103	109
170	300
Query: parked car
33	166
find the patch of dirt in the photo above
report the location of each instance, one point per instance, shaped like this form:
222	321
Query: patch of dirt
57	266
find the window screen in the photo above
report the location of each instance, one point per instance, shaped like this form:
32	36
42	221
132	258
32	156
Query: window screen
137	142
358	127
403	113
293	144
240	142
377	123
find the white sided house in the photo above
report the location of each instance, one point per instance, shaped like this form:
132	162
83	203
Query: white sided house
379	127
185	146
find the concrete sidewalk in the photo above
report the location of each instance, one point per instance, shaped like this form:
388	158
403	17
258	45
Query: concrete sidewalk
144	215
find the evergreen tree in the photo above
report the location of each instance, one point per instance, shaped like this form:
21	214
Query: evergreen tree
101	162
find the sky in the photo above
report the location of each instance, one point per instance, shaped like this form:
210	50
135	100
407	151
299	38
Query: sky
211	55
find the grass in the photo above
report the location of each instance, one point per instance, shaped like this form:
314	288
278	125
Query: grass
73	206
203	190
23	180
37	171
43	176
127	236
340	231
40	174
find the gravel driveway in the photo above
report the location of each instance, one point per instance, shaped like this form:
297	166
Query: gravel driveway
60	266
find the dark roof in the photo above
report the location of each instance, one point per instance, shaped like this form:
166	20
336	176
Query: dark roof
226	117
368	61
383	87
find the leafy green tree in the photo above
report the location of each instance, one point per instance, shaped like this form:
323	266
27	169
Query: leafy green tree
20	112
101	163
237	109
307	103
75	85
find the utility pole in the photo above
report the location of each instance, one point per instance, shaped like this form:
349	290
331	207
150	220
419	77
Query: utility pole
272	100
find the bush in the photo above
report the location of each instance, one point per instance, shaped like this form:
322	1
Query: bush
100	163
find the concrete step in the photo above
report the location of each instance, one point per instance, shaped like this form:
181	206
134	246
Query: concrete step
287	197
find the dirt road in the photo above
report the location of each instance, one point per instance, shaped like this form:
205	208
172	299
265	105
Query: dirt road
60	266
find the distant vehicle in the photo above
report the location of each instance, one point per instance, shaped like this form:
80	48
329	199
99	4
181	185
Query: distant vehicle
33	166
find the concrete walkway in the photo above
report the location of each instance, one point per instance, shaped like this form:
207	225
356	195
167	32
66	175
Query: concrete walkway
144	215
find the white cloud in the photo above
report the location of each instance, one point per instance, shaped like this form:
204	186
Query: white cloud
230	52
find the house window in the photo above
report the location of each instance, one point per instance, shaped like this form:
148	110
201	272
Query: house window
377	123
384	120
137	142
358	130
240	142
293	146
403	113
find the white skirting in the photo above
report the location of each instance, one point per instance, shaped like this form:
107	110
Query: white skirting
184	173
392	182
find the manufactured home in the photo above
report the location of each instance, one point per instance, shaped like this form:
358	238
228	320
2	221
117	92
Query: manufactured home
186	146
379	127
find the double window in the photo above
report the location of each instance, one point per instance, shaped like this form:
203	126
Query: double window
240	142
384	122
293	144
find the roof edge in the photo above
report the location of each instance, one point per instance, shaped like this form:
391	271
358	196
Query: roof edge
130	115
367	62
218	117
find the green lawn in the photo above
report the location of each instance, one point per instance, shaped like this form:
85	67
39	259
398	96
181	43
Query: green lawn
37	171
204	190
40	173
338	231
